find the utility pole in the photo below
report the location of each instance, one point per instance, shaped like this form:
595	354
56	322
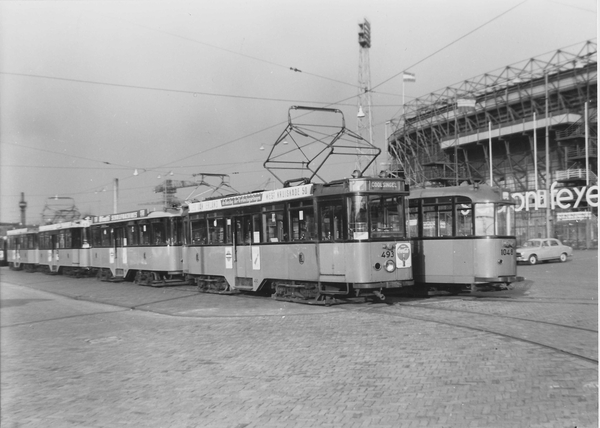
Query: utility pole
365	118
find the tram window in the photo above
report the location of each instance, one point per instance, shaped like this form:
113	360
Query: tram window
303	226
216	231
187	232
446	220
159	233
430	221
484	219
176	229
505	220
413	221
132	235
228	231
387	217
274	226
75	238
96	237
31	242
105	237
358	217
464	220
47	241
243	230
256	229
68	239
144	230
199	231
61	240
332	222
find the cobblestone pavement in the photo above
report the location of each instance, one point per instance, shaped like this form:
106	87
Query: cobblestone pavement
75	354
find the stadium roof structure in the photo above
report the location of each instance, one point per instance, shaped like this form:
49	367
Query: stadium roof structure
439	128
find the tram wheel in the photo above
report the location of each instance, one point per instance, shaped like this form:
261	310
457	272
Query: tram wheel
563	257
533	259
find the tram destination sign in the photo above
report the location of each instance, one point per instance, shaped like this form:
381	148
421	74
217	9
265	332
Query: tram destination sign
268	196
378	186
132	215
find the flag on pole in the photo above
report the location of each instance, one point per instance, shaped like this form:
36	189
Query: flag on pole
408	77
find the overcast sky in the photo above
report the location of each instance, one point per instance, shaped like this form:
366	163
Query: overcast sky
92	90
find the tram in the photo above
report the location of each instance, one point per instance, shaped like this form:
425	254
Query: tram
142	246
310	242
64	248
464	240
22	248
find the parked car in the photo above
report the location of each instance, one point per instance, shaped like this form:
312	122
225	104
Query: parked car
540	249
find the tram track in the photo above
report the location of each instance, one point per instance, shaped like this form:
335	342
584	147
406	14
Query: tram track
571	344
499	316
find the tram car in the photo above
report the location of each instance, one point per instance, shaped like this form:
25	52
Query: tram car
64	248
464	240
22	252
312	243
140	246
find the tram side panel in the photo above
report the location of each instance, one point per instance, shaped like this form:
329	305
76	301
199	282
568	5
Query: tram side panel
464	261
246	267
495	259
388	264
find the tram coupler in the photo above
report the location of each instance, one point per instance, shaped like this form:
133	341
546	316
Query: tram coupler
379	295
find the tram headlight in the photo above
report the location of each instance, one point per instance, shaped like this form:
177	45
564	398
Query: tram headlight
390	266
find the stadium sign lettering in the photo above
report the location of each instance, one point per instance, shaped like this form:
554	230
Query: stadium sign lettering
562	197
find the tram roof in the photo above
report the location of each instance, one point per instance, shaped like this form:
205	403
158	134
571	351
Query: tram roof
22	231
65	225
338	187
480	193
143	214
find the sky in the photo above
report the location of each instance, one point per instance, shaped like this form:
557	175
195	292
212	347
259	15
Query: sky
91	91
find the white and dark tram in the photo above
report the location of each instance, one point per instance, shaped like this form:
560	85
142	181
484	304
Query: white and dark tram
22	249
310	242
141	246
64	248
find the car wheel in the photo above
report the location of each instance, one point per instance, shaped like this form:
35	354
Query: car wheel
532	259
563	257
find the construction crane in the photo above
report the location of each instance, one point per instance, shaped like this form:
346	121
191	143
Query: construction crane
169	188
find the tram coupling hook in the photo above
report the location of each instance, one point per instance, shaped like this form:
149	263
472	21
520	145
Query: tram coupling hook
379	295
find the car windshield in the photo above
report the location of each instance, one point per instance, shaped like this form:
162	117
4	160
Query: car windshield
532	244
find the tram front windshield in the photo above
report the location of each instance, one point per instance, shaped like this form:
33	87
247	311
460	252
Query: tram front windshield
376	217
494	219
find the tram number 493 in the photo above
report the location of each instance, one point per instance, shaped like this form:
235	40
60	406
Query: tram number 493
506	252
387	254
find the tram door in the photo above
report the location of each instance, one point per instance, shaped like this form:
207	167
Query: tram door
120	252
53	256
75	245
242	234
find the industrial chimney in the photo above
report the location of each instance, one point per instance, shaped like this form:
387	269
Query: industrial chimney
23	206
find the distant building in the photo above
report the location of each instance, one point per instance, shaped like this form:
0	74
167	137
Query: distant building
535	123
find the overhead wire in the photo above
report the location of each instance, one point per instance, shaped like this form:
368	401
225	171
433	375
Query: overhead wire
339	102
